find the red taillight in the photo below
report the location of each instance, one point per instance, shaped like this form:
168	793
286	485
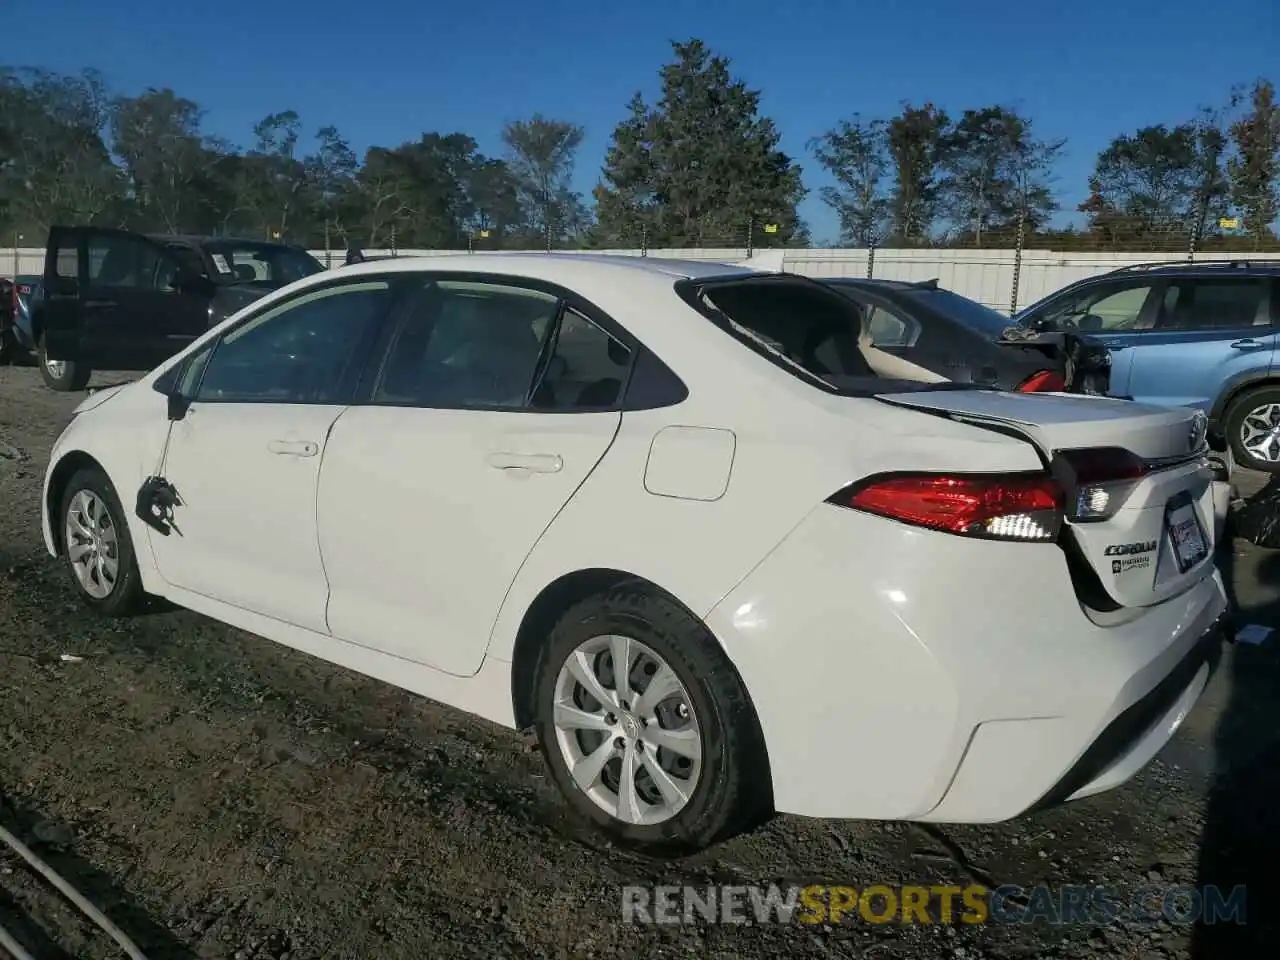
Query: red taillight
1100	479
1046	381
1024	507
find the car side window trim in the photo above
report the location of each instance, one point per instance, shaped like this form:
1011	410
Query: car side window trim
568	301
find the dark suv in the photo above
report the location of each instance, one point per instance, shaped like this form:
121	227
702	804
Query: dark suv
1187	334
116	300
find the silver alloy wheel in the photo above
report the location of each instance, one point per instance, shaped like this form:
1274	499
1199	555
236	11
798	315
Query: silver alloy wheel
629	738
57	368
93	547
1260	433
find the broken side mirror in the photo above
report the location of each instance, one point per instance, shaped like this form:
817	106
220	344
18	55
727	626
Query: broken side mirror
178	405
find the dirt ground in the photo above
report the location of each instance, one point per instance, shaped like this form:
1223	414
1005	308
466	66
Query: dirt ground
221	796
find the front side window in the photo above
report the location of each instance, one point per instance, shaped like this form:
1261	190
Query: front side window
121	260
306	350
1103	308
1197	304
467	344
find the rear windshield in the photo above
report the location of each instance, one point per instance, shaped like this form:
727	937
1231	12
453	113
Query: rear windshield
799	325
977	317
265	264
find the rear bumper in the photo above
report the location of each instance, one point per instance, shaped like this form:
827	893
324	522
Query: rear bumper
1135	736
906	674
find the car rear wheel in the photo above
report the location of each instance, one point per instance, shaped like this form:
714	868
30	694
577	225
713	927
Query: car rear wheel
646	727
96	545
65	376
1252	426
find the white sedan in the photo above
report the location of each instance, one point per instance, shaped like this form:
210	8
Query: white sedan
681	519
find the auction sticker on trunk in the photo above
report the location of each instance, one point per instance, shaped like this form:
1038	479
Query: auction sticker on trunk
1185	532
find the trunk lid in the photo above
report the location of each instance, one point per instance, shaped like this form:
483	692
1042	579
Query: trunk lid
1147	532
1056	421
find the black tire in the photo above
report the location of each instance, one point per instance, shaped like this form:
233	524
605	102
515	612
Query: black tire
73	376
1233	425
734	790
126	596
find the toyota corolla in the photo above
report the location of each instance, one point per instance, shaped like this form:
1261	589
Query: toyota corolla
669	516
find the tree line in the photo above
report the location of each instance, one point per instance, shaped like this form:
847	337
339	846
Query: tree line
699	166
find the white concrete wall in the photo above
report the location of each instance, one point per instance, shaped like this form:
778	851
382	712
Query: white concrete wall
983	275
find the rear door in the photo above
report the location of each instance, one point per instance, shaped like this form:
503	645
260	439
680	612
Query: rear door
434	490
1207	331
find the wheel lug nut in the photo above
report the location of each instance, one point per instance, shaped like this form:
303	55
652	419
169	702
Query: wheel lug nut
610	719
619	743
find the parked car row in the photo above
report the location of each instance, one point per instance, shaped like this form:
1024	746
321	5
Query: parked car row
682	520
1183	334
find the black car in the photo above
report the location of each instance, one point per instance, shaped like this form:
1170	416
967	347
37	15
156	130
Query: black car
117	300
958	339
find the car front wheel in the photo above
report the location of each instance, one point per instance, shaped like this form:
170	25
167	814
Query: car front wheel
646	727
96	545
1252	425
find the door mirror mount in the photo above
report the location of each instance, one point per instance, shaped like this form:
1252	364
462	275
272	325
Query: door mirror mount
178	405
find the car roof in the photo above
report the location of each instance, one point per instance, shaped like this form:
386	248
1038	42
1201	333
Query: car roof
567	267
198	240
1197	268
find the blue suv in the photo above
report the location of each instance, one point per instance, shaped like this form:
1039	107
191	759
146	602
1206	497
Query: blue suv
1187	334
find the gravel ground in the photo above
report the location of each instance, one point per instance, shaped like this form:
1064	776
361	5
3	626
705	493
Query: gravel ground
221	796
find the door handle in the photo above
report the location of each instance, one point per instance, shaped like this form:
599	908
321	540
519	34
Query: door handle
531	462
294	448
102	304
1248	343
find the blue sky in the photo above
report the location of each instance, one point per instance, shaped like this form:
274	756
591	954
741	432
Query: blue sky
1084	69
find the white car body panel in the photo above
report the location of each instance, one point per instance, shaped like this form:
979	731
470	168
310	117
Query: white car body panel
248	475
453	501
897	672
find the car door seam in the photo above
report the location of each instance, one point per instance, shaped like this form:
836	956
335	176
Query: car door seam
324	571
506	595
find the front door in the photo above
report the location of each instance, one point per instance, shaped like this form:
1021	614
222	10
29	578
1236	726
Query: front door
434	492
1206	331
245	460
1112	311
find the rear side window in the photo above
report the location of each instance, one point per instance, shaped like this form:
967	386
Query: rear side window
1197	304
467	344
66	264
587	367
888	329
